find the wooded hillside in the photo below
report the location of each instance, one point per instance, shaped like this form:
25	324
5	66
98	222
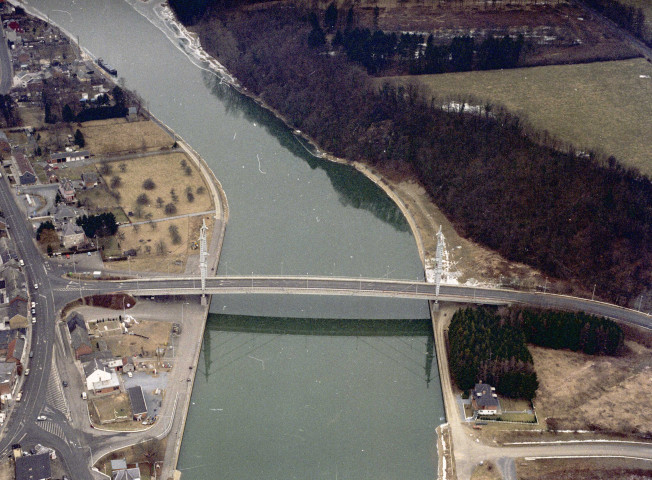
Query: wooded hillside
566	213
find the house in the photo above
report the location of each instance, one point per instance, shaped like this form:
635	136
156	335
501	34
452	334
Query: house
485	400
4	142
26	173
79	339
100	378
18	313
137	401
7	377
33	467
67	190
72	235
120	471
64	213
128	364
51	174
89	179
63	157
15	350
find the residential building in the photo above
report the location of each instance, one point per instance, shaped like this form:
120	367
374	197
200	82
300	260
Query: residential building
26	173
7	377
79	339
137	401
89	179
67	190
72	235
15	350
100	378
33	467
484	399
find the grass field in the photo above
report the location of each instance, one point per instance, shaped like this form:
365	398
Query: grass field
109	407
145	239
166	172
603	106
119	136
582	469
158	334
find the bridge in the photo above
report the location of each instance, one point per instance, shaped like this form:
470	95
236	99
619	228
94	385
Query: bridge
363	287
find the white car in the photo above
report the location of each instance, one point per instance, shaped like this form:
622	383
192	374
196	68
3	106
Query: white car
41	418
36	286
33	304
26	372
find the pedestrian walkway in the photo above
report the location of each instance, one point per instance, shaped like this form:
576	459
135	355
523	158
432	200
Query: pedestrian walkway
53	428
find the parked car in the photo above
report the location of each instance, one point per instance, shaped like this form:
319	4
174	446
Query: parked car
33	304
41	418
36	286
65	384
31	354
26	372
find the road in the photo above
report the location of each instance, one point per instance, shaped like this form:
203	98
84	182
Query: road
6	67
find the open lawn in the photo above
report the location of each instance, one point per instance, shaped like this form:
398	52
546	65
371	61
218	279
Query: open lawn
583	469
486	471
120	136
167	174
110	407
603	106
73	171
606	394
157	333
152	256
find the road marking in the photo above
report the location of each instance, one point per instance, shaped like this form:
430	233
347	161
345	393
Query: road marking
53	428
54	393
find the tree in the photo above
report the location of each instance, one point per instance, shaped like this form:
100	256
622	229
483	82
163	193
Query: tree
175	197
201	190
105	168
316	38
102	225
142	199
189	194
161	248
170	209
79	139
67	114
160	202
174	234
330	17
149	184
123	167
116	182
47	225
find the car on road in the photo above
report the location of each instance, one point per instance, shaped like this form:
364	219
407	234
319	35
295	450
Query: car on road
41	418
21	262
31	354
84	396
65	384
33	319
26	372
36	286
33	311
33	304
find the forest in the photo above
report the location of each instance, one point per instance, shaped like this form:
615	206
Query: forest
625	16
483	347
573	215
575	331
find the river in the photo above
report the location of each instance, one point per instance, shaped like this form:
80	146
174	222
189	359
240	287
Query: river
370	411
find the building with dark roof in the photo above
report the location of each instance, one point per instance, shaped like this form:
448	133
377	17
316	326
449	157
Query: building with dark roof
137	401
79	339
33	467
7	377
485	400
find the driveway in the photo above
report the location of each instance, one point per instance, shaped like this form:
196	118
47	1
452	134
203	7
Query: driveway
149	384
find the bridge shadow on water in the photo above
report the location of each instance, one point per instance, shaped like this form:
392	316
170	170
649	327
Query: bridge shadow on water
272	327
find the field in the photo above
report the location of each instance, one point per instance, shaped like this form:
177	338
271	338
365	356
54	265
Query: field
146	241
603	106
158	334
582	469
486	471
166	172
120	136
604	394
109	407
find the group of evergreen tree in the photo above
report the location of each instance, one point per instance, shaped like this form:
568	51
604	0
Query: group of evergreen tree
629	17
576	331
484	347
102	225
378	50
490	346
47	225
